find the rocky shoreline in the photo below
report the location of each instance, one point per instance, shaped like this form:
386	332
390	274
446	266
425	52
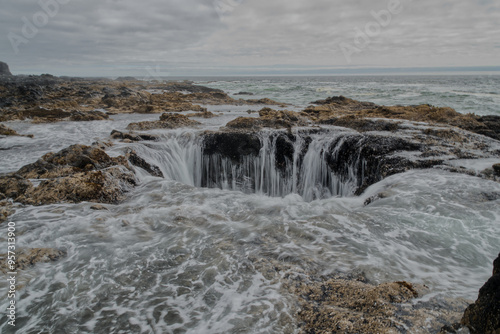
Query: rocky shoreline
389	139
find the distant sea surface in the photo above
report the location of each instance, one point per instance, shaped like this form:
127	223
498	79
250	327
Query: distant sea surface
479	94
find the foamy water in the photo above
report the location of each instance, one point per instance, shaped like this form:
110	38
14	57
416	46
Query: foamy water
178	258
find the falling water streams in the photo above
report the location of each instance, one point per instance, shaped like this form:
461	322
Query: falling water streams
183	254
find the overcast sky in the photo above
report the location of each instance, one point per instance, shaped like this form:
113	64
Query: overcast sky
197	37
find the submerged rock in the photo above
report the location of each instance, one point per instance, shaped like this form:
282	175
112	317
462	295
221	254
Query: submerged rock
5	210
350	304
483	317
6	131
30	256
203	114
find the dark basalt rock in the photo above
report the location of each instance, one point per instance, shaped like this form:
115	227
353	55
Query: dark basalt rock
483	317
167	121
233	145
140	162
4	69
369	156
490	126
189	87
115	134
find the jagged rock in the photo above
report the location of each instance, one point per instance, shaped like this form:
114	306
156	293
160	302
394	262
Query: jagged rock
167	121
345	103
27	257
45	115
145	109
94	115
6	131
496	169
75	174
132	136
73	159
140	162
348	303
371	157
14	186
268	118
334	109
351	306
361	124
125	79
483	317
98	207
93	186
4	69
231	145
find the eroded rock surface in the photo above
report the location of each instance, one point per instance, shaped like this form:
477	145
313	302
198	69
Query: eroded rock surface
343	111
47	98
348	303
75	174
483	317
269	118
167	121
4	69
6	131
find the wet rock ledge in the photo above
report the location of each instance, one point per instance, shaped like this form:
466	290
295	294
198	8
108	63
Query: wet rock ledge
75	174
484	315
47	98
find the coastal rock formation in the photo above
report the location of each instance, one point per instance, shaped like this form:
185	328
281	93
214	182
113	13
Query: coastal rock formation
203	114
6	131
167	121
136	160
75	174
132	137
269	118
4	69
339	110
47	98
348	303
484	315
339	162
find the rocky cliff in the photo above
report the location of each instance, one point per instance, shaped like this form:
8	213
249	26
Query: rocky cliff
4	69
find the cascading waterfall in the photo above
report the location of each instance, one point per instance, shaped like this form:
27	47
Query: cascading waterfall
284	164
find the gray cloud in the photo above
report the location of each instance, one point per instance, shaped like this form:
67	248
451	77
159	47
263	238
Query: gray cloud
113	37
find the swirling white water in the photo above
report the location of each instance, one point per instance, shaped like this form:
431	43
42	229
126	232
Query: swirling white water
178	258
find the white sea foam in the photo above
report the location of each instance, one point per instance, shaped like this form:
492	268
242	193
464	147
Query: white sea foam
177	257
